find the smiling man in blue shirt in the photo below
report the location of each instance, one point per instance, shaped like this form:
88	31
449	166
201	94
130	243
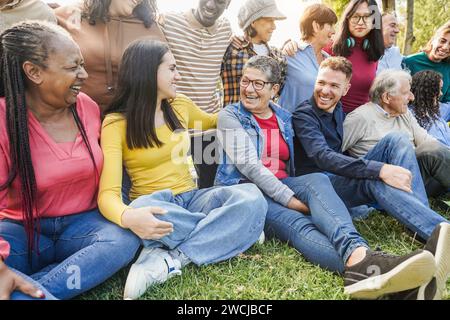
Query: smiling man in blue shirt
388	175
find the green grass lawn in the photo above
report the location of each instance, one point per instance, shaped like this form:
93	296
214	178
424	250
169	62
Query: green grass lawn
269	271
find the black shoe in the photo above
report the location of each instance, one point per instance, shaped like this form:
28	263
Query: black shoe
439	245
380	273
442	205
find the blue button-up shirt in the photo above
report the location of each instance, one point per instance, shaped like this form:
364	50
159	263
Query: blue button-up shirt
444	109
319	148
440	130
392	59
301	76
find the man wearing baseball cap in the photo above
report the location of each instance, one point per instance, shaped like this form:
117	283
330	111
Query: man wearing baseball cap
257	19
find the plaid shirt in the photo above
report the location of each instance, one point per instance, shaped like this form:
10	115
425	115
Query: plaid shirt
233	63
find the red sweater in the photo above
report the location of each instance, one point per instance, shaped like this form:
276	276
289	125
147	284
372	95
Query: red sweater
364	72
276	150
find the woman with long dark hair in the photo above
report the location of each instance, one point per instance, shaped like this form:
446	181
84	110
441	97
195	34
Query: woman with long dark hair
427	89
103	29
50	165
146	131
359	38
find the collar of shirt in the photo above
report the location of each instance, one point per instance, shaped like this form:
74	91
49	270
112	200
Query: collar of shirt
196	25
382	111
247	44
303	45
11	5
322	113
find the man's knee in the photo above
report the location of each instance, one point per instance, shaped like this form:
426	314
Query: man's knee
433	151
398	139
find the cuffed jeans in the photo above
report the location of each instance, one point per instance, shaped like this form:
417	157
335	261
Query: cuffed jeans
76	252
434	163
410	209
210	225
327	237
17	295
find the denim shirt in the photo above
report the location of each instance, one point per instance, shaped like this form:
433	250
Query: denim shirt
439	129
236	116
301	76
392	59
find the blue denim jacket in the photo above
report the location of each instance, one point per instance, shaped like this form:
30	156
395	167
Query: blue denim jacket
227	172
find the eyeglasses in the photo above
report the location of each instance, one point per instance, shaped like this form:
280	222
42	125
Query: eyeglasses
357	18
257	84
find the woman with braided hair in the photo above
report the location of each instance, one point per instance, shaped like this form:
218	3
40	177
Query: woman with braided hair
50	164
427	89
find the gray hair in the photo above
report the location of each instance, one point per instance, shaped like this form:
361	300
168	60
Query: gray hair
267	65
387	81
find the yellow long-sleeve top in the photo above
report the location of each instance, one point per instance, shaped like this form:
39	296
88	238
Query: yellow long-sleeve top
150	169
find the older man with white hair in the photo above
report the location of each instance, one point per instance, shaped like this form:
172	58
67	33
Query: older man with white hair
388	112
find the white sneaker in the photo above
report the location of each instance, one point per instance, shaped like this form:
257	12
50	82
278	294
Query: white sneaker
262	238
153	266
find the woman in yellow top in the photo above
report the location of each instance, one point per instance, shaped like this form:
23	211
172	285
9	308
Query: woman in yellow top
145	131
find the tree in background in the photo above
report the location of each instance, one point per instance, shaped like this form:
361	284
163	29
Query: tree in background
429	15
409	33
388	5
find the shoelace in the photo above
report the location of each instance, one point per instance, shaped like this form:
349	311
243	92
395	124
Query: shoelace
169	268
380	253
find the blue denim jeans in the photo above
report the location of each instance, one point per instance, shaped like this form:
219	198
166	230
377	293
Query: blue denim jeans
210	225
76	253
410	209
327	237
17	295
